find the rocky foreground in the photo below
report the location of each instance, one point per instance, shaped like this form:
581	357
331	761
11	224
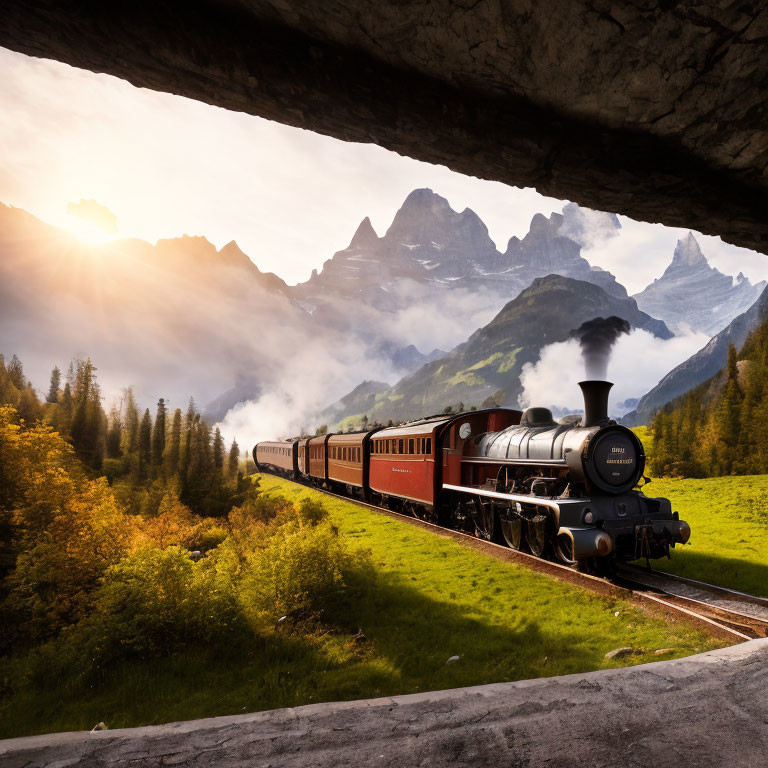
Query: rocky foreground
708	709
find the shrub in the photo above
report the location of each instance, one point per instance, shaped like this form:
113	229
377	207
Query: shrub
155	602
306	572
66	552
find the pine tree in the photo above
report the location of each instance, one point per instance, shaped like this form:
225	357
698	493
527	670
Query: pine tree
66	400
173	449
29	407
145	442
9	395
185	458
88	426
234	460
218	449
16	373
728	414
53	391
130	421
114	434
158	435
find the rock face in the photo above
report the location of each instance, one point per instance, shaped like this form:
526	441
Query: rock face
546	250
701	366
489	363
652	110
691	293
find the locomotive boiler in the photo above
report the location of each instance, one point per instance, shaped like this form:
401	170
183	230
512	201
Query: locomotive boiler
568	491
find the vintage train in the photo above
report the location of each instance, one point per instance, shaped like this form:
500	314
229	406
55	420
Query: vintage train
516	477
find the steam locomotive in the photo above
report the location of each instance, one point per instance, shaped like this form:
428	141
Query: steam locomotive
515	477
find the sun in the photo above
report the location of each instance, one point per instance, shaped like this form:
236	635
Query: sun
88	232
91	222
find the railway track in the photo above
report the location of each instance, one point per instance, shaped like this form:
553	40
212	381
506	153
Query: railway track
723	612
744	613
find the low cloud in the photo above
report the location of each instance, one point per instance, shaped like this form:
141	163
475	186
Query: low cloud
587	227
638	362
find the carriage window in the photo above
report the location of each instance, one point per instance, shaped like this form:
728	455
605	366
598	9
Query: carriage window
410	446
400	446
428	447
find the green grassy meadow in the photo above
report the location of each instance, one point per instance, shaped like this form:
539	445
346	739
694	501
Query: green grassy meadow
432	599
729	527
729	530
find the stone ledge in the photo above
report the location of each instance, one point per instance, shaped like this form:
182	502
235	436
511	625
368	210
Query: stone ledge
705	709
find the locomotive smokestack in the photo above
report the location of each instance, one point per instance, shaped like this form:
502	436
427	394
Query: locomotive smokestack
595	402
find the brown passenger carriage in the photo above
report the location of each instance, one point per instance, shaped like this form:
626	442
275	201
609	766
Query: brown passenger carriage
281	457
348	463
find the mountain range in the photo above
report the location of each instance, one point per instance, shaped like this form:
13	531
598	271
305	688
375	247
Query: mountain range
430	244
180	317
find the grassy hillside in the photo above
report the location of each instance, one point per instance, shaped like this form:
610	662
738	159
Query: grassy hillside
505	621
425	600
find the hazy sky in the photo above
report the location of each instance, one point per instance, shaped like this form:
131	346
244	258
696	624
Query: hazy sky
168	166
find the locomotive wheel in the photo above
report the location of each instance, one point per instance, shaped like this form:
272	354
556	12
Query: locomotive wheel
485	519
537	534
513	532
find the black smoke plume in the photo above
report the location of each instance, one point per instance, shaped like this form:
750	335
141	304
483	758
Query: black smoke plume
597	338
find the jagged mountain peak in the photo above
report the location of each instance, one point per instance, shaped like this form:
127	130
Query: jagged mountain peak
233	254
424	213
541	223
688	253
365	236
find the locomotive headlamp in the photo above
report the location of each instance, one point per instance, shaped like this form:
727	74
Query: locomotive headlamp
589	517
685	531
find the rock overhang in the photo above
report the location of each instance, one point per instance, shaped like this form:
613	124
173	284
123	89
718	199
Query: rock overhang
657	111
